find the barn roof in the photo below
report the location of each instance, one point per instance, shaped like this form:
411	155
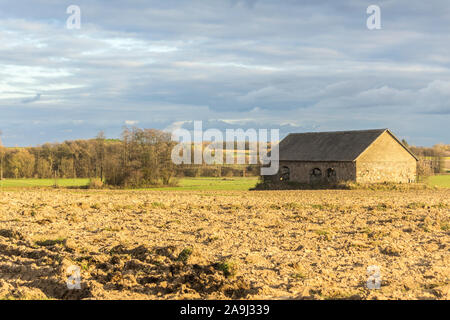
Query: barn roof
329	146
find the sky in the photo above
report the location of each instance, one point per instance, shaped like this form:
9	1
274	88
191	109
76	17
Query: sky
298	66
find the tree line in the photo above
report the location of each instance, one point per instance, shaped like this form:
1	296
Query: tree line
140	158
432	160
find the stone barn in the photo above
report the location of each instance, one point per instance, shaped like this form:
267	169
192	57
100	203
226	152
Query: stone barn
367	156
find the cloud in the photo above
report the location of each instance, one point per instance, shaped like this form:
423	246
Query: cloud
311	64
37	97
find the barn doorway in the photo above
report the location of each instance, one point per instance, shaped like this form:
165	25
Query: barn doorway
315	176
331	175
285	173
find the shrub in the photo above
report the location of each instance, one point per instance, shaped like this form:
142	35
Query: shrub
228	268
184	255
158	205
95	183
425	168
51	242
268	184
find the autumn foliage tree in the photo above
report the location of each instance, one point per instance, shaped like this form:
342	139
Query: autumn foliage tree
140	158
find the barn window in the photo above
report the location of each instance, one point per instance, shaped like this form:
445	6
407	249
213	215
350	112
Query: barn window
331	173
316	172
285	173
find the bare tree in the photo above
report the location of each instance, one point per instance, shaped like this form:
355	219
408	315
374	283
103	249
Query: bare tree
100	154
2	155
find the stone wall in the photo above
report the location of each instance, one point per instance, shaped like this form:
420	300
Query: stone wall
302	171
445	164
385	161
386	171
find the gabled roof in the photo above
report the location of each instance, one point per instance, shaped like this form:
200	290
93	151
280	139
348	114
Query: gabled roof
329	146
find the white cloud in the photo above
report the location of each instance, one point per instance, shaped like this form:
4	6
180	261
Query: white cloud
313	64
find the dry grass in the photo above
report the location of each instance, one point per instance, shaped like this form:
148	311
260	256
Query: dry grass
312	244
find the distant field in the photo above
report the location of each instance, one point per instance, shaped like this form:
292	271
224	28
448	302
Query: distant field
43	182
440	181
232	183
194	184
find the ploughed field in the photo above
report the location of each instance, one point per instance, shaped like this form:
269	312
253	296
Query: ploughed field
314	244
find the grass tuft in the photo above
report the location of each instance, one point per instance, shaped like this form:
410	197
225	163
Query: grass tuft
184	255
51	242
229	268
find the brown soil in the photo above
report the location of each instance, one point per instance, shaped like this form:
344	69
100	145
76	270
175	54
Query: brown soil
225	245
